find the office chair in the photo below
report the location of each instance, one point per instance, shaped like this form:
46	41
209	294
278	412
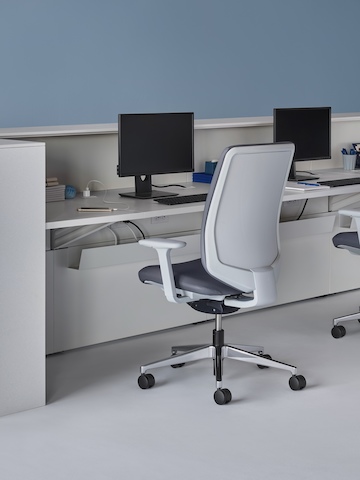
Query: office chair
348	241
239	260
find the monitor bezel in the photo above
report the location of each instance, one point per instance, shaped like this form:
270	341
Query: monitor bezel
151	171
293	176
276	111
143	181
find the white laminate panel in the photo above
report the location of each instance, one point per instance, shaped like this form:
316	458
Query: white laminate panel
304	267
123	254
106	303
22	276
307	227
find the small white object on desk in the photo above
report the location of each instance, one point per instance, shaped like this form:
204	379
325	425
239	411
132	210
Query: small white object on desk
305	186
349	161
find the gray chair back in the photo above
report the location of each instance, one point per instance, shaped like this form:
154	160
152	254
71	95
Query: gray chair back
240	228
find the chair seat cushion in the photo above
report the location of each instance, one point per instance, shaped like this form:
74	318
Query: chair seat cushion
347	240
190	276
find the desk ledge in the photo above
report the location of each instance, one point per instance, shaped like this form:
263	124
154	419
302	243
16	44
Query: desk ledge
112	128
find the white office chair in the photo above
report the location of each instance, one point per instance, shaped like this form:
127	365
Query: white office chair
348	241
239	257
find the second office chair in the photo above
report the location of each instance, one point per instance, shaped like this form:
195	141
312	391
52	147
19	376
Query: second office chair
347	241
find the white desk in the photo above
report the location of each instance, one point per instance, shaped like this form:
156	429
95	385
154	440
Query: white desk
94	292
65	214
72	153
325	175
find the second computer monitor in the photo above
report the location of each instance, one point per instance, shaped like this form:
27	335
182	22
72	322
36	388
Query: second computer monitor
154	143
310	131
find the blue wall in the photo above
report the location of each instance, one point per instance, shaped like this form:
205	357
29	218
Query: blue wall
85	61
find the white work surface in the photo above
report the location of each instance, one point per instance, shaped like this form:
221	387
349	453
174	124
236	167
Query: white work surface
64	214
89	281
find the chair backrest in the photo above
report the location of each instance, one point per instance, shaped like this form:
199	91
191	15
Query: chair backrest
240	228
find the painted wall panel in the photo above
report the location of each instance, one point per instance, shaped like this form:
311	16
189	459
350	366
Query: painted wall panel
85	61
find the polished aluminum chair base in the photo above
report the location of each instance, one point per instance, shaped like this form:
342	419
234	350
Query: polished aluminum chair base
217	351
339	331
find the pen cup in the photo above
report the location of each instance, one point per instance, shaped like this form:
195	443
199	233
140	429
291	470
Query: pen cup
349	162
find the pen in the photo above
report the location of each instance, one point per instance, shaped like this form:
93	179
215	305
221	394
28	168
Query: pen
95	209
309	184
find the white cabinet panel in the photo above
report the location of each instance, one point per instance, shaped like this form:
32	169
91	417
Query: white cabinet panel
97	296
99	302
305	258
22	276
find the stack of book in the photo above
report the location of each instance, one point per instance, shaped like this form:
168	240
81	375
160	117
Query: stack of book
54	191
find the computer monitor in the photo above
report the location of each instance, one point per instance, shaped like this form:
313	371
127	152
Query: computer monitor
154	143
310	131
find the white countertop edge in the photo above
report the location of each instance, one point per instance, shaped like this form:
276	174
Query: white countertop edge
111	128
122	216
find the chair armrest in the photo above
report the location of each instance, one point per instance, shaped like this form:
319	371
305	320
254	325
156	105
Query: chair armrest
353	214
163	248
162	243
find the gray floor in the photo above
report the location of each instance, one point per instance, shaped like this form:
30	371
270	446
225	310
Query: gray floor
99	425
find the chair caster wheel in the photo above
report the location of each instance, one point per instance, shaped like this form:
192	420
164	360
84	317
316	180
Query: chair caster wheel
146	380
297	382
338	331
222	396
265	356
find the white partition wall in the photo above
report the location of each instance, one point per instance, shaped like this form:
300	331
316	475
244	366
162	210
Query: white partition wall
22	276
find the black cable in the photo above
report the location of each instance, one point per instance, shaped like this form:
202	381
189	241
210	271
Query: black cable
136	226
166	186
308	172
302	211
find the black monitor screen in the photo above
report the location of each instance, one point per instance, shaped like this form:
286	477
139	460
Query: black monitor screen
155	143
308	128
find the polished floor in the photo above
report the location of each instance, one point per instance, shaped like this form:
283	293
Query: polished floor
99	425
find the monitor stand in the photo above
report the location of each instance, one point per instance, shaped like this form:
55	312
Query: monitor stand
295	177
143	189
303	178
